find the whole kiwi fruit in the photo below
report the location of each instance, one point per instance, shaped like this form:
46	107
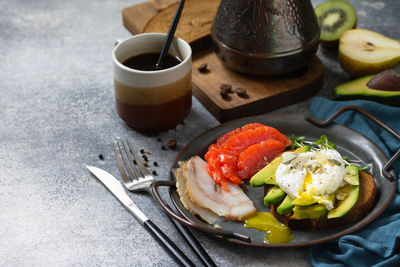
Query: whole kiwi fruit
334	17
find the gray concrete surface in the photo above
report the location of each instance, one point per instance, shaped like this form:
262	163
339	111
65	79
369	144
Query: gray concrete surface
57	115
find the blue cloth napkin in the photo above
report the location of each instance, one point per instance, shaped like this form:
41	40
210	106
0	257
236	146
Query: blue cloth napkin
377	244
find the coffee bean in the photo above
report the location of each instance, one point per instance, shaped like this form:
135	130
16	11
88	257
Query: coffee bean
203	68
224	93
241	92
226	87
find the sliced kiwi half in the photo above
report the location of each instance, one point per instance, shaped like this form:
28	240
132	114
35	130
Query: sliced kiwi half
334	17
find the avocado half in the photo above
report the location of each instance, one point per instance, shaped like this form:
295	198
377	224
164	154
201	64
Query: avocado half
358	89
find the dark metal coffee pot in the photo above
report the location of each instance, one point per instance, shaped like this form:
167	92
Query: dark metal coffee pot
265	37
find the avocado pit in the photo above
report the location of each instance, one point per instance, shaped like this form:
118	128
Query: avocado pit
388	80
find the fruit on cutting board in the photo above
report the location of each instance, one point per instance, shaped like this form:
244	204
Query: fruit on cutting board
334	17
363	52
383	87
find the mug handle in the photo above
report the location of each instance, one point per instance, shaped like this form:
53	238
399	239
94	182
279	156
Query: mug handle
118	41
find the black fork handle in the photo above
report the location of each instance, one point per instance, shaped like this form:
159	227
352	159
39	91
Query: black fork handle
193	243
167	243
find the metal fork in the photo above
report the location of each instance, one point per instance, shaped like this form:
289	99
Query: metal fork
138	178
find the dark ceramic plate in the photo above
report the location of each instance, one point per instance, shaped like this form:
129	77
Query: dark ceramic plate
348	141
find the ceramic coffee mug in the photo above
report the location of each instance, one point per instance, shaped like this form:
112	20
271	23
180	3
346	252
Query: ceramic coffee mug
152	100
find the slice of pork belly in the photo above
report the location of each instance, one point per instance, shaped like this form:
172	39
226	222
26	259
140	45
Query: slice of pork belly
204	192
206	214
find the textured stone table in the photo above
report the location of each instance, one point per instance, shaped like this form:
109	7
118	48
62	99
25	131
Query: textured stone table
57	115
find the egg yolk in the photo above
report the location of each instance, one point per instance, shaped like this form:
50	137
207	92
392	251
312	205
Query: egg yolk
275	231
306	196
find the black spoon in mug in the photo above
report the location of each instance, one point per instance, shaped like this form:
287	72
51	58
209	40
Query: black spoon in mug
194	244
170	35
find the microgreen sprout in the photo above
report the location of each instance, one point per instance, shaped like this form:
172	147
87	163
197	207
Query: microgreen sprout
297	141
323	143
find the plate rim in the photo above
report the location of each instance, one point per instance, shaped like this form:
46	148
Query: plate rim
281	245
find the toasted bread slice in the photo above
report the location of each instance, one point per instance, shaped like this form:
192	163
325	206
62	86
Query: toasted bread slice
194	24
366	201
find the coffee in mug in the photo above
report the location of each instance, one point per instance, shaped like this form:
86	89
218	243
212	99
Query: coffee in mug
148	98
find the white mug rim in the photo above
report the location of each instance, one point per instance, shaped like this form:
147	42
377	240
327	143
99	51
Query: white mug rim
122	66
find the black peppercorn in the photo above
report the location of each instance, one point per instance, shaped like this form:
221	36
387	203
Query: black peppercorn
172	143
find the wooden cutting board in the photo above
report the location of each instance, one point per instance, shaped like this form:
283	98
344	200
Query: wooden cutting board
263	93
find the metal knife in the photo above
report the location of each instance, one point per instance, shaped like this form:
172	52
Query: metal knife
119	192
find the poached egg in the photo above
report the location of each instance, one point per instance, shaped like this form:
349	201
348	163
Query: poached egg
311	177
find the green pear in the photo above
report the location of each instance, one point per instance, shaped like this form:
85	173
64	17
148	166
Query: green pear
364	52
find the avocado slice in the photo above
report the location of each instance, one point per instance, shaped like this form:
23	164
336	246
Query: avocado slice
274	196
286	205
309	212
347	203
303	203
266	173
351	176
270	180
358	89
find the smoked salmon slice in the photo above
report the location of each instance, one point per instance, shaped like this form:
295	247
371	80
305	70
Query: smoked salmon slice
257	156
250	137
258	143
224	137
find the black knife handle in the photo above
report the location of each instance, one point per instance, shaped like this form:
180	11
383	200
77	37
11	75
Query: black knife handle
167	243
194	244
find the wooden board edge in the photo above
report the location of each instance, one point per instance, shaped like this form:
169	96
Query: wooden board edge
145	11
263	105
206	102
274	102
